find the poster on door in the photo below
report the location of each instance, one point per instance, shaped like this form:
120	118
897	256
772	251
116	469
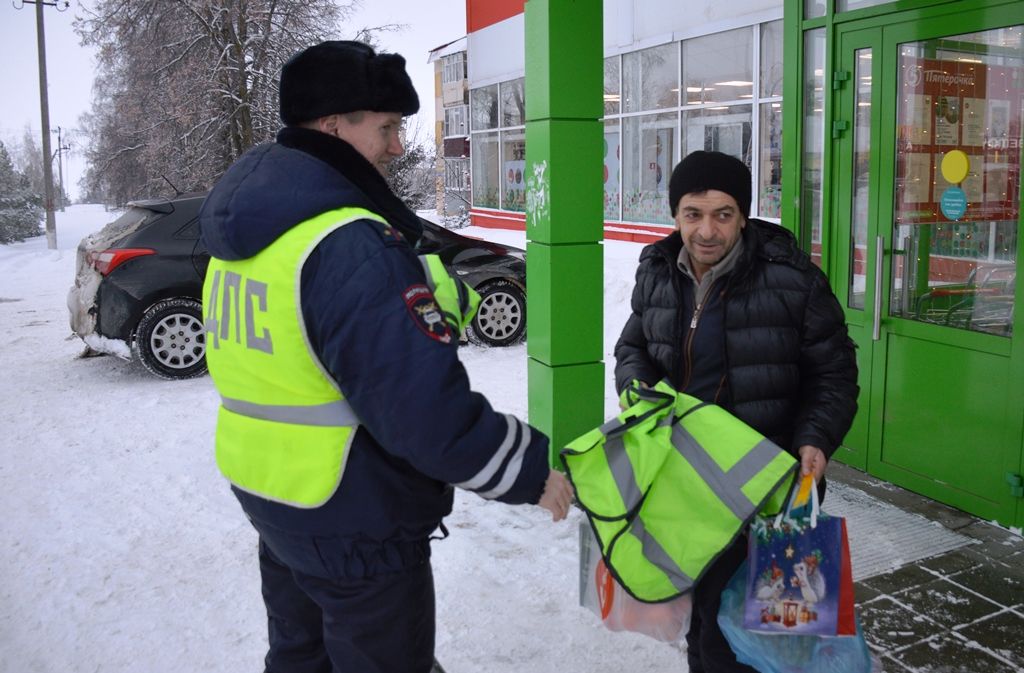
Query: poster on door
962	105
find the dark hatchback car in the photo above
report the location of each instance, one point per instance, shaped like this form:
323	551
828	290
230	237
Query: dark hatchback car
138	286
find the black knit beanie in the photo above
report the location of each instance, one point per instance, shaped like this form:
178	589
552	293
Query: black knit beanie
701	171
335	77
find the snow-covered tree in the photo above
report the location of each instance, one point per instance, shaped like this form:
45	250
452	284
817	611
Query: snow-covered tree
410	176
184	87
20	211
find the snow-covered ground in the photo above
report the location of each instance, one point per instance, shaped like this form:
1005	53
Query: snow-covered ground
122	549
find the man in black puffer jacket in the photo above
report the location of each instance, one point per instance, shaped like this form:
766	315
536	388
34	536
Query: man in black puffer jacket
730	310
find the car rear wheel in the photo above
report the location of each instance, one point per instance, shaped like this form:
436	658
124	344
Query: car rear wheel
170	340
501	318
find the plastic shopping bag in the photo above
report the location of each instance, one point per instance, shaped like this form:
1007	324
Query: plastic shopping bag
791	654
800	581
667	621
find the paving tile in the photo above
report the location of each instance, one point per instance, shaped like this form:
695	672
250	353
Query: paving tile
996	543
945	653
888	625
947	604
898	580
997	581
863	593
1003	633
951	562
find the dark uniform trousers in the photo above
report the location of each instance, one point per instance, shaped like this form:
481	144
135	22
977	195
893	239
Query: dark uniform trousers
379	624
707	649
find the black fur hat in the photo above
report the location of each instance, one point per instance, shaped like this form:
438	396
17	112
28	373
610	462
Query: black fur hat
343	76
701	171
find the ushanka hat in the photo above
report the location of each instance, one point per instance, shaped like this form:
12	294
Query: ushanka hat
338	76
701	171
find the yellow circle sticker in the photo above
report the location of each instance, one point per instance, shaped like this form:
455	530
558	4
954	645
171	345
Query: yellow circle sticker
955	166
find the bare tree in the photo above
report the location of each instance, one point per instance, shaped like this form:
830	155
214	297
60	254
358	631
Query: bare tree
184	87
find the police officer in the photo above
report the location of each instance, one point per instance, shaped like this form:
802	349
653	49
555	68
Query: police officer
345	413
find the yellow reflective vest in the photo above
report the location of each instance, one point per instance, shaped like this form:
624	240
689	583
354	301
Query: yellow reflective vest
668	484
283	428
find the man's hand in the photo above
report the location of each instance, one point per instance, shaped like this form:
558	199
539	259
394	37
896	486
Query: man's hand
812	461
557	496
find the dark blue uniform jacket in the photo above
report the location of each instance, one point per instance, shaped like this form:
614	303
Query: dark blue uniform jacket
422	427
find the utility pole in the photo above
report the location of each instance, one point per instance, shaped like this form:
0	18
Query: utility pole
44	109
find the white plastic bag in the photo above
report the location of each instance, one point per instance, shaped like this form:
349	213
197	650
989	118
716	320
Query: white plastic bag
601	594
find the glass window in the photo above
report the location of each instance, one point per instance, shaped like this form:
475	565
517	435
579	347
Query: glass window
649	78
456	174
814	139
847	5
861	175
612	164
769	162
455	121
611	85
453	68
814	8
513	170
484	104
719	68
721	128
513	103
485	170
648	144
959	130
771	59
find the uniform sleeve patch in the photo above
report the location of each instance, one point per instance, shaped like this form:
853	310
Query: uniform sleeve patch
423	309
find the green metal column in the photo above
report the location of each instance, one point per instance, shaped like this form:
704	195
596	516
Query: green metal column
564	216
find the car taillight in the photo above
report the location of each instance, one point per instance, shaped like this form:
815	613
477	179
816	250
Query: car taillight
108	260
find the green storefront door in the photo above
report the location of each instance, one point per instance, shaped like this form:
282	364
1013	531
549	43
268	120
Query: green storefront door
927	127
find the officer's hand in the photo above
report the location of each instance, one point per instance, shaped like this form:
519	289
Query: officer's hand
812	461
557	495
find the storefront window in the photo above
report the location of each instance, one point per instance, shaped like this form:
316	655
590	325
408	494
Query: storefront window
513	103
769	162
814	8
771	59
485	170
612	172
649	78
513	170
814	139
719	68
484	104
720	128
648	144
959	133
611	85
847	5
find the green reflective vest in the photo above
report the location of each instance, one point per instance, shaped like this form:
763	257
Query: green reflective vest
668	484
283	428
458	301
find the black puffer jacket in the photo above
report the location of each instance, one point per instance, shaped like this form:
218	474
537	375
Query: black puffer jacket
791	369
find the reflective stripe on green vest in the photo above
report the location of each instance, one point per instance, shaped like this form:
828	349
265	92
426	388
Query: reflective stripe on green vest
457	300
669	484
283	427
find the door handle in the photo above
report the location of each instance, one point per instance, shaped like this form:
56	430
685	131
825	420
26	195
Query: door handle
876	330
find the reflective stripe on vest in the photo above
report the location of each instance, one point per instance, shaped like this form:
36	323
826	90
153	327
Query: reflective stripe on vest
457	300
283	427
668	485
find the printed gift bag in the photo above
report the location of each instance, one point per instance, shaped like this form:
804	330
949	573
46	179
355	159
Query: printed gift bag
799	578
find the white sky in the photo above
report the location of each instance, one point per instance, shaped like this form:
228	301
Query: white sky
70	66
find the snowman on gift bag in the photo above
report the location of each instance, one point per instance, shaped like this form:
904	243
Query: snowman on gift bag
806	575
